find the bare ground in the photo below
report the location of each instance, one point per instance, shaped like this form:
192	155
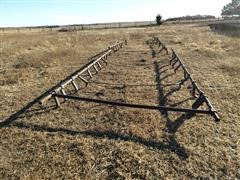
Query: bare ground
92	141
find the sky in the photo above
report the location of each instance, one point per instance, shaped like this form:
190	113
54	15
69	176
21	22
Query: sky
15	13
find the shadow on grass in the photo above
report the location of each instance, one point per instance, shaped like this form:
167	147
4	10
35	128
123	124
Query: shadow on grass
162	99
153	53
181	102
171	145
171	125
27	110
27	107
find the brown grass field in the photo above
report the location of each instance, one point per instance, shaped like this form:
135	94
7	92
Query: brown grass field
91	141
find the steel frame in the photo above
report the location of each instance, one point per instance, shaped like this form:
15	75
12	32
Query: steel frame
177	63
95	64
137	106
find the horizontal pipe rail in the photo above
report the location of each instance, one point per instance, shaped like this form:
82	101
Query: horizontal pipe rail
138	106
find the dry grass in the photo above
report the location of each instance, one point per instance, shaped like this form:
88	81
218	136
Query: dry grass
91	141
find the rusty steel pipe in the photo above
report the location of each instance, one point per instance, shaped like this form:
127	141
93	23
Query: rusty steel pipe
138	106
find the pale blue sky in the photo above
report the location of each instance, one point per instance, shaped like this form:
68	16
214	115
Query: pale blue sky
60	12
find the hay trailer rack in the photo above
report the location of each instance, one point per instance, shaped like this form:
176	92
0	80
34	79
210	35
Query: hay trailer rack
94	65
175	60
195	90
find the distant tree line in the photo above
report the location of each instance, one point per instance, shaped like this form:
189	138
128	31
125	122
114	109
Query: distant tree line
231	9
186	18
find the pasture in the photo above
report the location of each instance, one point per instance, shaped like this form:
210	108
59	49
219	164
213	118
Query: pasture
83	140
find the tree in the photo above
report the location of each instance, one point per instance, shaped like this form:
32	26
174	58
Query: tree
159	19
231	9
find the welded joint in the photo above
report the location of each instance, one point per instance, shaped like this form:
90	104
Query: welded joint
75	85
63	92
199	102
83	79
99	65
56	99
89	73
95	68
